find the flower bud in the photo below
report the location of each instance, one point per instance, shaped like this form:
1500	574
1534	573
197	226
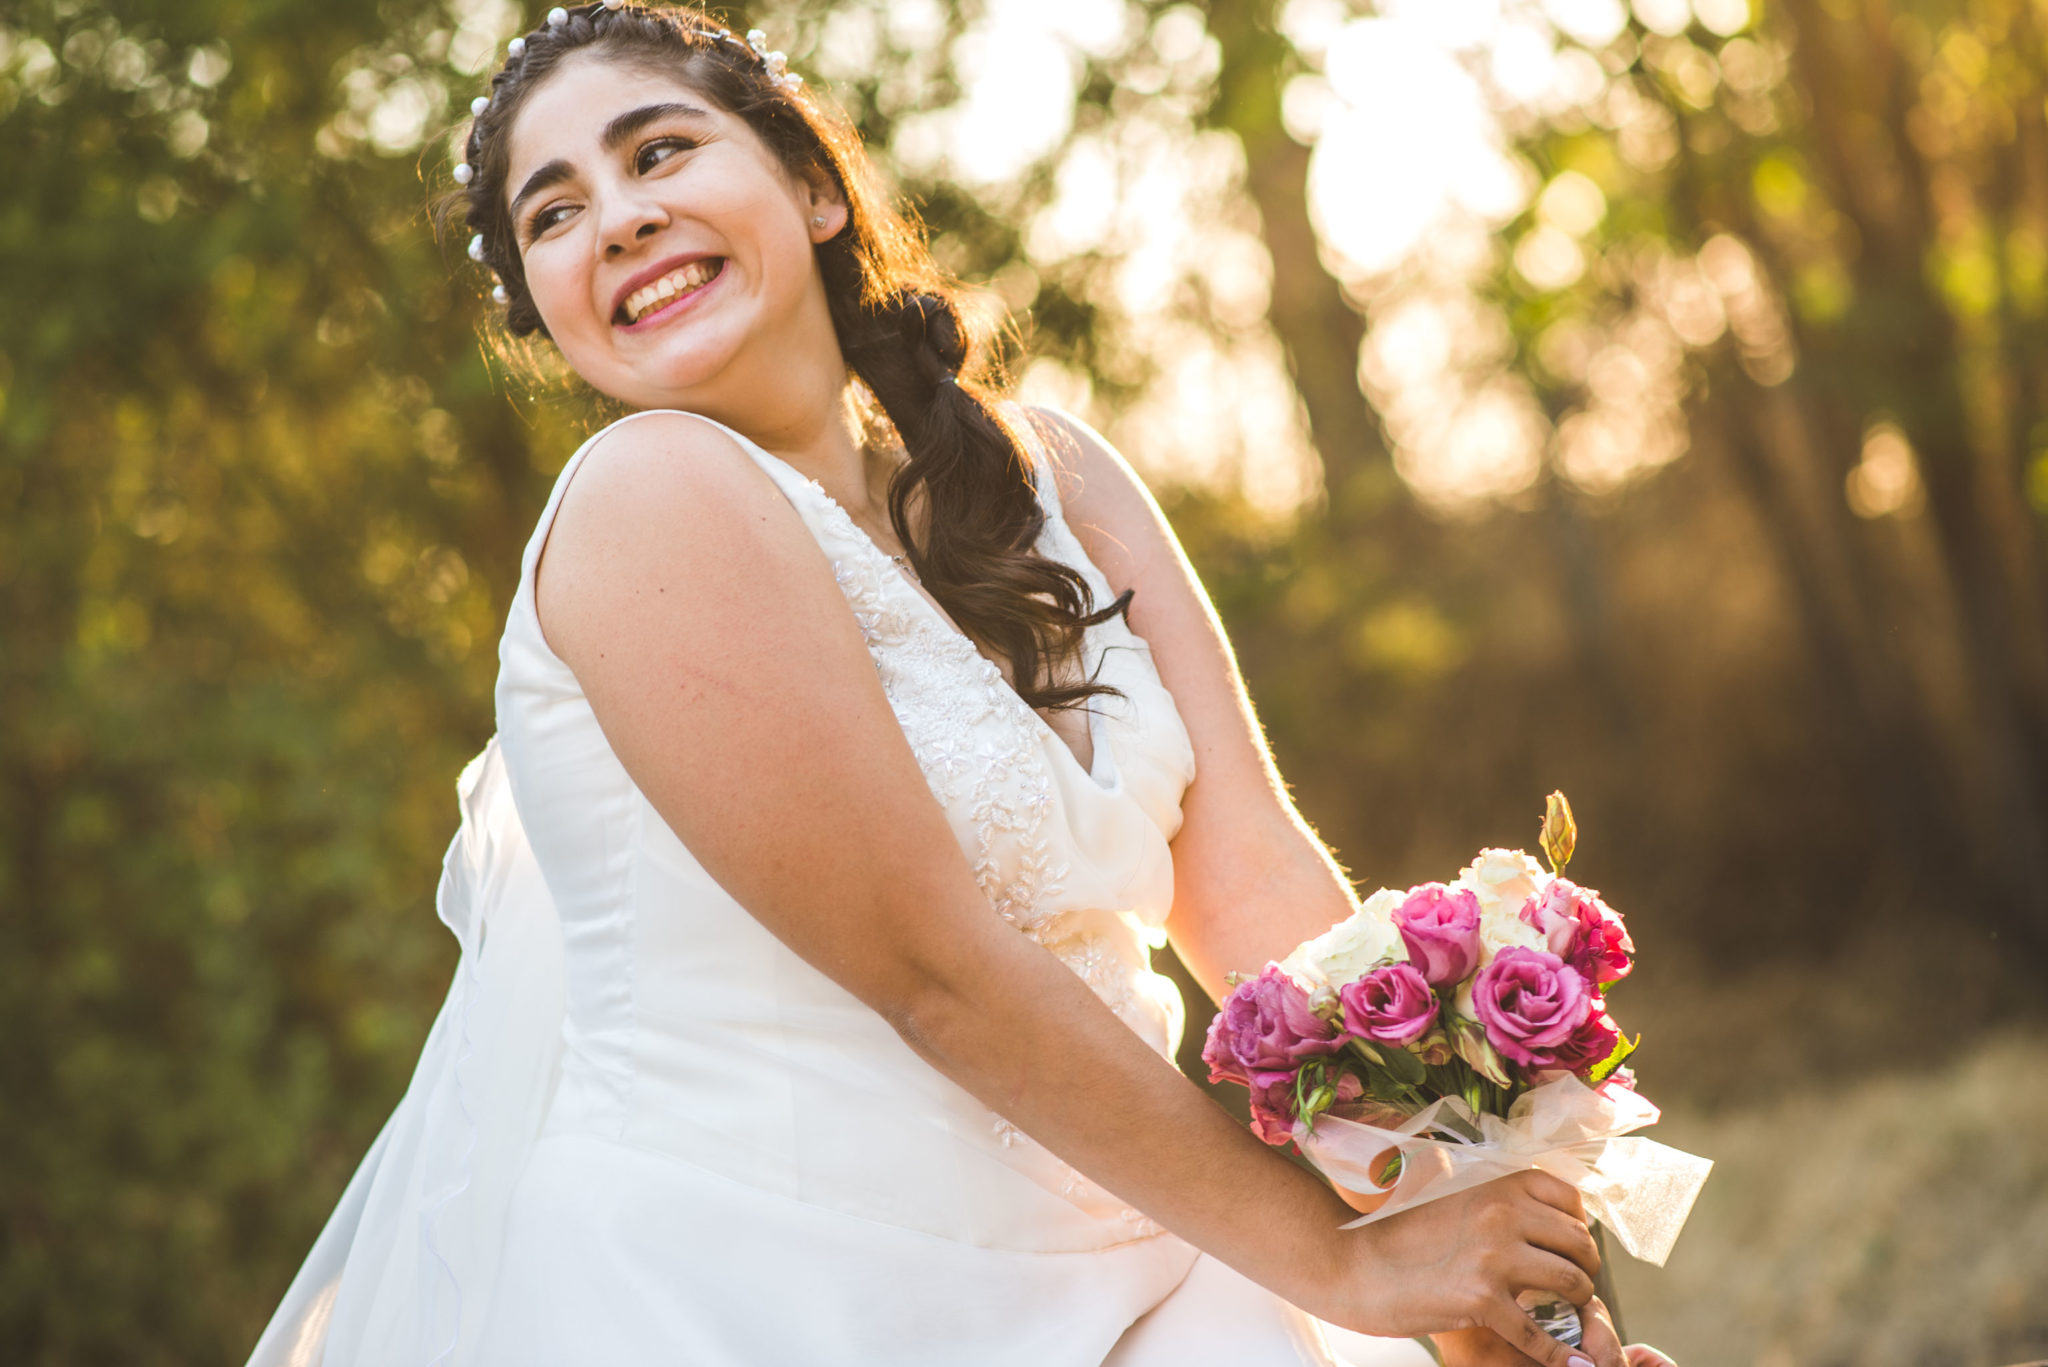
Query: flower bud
1468	1038
1560	832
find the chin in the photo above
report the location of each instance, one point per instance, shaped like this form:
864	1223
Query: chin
664	378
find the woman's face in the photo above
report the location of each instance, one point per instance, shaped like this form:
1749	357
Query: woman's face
668	251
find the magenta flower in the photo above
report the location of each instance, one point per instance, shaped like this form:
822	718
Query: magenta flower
1273	1111
1590	1044
1265	1029
1582	930
1391	1005
1440	927
1532	1004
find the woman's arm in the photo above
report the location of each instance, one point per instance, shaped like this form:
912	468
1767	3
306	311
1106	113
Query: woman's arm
720	658
1251	880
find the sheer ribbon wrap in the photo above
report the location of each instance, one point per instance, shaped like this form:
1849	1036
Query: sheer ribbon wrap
405	1267
1639	1189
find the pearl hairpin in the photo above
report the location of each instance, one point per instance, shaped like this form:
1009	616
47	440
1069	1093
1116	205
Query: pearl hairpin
779	74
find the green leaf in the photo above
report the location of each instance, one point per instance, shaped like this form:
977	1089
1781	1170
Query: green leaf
1604	1069
1406	1066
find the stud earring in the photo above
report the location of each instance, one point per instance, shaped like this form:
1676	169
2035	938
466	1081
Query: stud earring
818	220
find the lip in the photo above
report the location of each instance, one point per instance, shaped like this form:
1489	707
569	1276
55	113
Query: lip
655	272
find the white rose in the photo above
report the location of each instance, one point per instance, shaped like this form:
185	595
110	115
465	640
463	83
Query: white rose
1504	881
1350	949
1503	928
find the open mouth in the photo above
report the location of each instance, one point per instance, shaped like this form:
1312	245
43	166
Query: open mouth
656	295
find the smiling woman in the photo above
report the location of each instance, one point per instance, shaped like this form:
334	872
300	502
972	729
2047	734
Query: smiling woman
805	1011
710	148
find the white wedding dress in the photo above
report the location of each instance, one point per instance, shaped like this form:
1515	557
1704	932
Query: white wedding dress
643	1131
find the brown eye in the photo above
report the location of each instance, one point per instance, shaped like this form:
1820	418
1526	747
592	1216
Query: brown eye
546	219
652	154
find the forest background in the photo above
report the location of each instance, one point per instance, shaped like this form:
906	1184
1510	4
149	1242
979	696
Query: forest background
1646	401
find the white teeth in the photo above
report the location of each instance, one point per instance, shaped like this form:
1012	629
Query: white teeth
677	282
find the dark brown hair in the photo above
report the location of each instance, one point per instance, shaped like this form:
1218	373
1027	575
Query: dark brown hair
899	323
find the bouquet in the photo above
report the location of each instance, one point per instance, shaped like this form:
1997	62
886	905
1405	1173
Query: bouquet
1454	1033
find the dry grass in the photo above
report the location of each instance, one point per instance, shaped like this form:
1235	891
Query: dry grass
1897	1220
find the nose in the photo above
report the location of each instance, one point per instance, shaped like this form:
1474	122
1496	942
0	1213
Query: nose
629	217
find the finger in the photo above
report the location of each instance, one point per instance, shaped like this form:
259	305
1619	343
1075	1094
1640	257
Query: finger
1643	1355
1600	1342
1556	1232
1508	1320
1531	1269
1552	1191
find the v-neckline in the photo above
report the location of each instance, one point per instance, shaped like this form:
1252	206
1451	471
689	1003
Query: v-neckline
944	621
1097	733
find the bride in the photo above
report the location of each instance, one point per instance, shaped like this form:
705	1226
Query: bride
860	734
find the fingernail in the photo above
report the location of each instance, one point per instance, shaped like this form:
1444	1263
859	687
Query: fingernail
1577	1361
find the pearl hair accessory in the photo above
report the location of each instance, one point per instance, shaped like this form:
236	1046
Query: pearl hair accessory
499	296
476	247
557	17
464	173
779	74
515	49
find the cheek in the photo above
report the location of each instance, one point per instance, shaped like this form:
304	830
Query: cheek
559	290
776	227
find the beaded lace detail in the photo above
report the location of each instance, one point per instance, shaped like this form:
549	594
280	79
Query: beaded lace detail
972	735
979	745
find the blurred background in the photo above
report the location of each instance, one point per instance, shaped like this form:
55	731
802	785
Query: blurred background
1646	400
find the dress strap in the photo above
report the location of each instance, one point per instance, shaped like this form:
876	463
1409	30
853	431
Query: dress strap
1044	465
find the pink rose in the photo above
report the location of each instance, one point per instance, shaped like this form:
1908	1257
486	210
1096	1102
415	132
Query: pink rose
1265	1028
1532	1004
1440	926
1590	1044
1273	1110
1582	930
1391	1005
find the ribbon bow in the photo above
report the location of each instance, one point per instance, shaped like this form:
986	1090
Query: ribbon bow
1639	1189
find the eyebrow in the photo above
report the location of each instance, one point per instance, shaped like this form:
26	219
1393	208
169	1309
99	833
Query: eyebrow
616	133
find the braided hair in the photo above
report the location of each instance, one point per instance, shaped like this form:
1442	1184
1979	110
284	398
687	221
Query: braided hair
898	321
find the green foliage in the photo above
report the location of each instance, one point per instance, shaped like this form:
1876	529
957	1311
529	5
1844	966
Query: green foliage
262	502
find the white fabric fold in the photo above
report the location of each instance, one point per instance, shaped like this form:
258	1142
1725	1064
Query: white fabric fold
404	1269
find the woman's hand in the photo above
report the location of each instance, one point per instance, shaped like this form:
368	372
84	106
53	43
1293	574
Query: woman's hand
1461	1260
1484	1348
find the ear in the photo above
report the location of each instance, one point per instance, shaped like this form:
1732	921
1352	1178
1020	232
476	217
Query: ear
823	200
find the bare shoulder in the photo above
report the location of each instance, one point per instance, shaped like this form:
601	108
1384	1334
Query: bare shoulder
659	467
666	502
